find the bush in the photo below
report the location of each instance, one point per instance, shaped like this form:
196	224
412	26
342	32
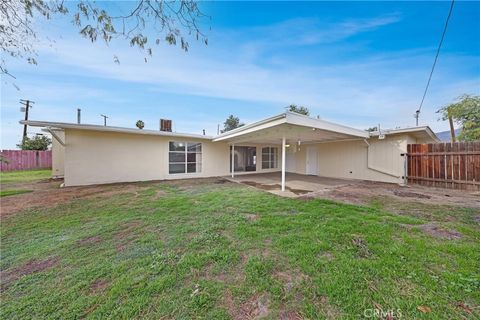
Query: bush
38	142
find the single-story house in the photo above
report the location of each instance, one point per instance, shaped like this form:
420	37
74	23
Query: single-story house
87	154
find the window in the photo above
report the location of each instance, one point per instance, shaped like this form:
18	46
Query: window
269	158
184	157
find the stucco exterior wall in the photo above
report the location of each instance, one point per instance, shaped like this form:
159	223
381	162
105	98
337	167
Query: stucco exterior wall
93	157
299	156
101	157
58	156
381	161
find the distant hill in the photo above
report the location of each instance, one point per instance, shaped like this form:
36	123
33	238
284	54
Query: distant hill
445	135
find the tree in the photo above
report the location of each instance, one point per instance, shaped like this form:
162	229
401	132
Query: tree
298	109
140	124
372	129
166	20
466	113
4	159
231	123
38	142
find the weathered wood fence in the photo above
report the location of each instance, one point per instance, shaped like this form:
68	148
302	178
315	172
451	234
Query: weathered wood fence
449	165
25	160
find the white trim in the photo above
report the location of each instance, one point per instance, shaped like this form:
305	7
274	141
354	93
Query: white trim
423	129
293	119
52	132
232	154
305	121
265	124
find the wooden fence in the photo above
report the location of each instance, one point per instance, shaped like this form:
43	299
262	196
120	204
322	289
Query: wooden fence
25	160
450	165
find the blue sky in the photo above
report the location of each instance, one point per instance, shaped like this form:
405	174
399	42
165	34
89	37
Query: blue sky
356	63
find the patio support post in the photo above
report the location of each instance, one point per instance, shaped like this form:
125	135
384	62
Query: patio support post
233	160
283	163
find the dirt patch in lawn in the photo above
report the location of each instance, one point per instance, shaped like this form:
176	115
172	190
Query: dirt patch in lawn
408	194
257	306
251	216
290	315
126	235
47	193
440	232
290	279
98	286
362	192
28	268
329	311
89	240
361	247
325	255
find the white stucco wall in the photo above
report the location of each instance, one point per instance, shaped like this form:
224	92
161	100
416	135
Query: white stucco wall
58	156
353	159
93	157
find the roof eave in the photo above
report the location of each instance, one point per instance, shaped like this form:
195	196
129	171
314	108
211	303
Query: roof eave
89	127
281	118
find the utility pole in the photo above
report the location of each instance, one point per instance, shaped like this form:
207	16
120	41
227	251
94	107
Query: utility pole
452	128
416	116
28	104
104	119
79	115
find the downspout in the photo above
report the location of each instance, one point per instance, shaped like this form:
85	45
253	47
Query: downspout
376	169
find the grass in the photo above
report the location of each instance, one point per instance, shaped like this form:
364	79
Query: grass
24	176
12	192
216	251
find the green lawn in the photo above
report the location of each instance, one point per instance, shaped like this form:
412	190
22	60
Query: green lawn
12	192
24	176
218	251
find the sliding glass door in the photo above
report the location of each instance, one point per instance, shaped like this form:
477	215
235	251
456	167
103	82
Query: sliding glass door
245	159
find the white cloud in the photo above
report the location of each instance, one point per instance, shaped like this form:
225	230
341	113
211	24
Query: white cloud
383	88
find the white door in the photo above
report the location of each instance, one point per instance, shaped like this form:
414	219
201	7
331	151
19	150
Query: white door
312	160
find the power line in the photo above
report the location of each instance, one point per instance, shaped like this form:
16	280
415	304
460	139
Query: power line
417	113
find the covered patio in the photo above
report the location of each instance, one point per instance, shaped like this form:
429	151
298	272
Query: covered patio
290	131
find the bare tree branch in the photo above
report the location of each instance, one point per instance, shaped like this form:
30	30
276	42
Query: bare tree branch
167	20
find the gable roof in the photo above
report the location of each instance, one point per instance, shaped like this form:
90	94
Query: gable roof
291	118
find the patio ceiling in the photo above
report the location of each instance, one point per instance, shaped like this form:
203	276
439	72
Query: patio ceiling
294	128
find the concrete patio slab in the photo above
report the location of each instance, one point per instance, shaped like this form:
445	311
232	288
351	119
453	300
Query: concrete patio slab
296	184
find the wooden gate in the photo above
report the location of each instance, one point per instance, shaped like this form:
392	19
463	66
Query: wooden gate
449	165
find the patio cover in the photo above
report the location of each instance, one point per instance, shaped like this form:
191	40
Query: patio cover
290	128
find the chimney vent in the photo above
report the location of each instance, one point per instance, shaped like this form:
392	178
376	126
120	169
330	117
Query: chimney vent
165	125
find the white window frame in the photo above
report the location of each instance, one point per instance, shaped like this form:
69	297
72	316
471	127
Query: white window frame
198	158
272	158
